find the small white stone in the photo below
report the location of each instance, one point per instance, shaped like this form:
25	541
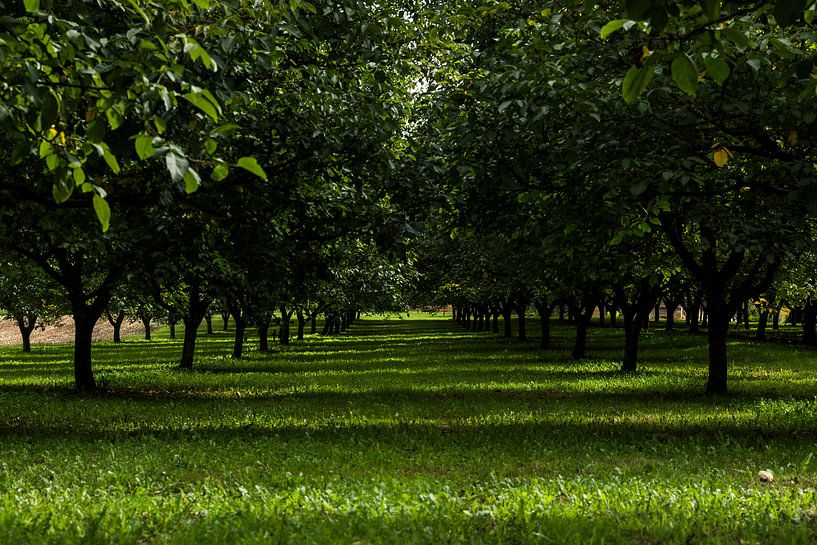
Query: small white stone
766	476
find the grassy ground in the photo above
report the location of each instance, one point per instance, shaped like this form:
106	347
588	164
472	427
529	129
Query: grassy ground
409	431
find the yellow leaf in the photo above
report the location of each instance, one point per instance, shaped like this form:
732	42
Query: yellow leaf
792	138
645	53
721	156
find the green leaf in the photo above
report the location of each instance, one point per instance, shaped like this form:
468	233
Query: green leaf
62	191
110	159
611	27
717	68
219	172
787	12
79	176
191	180
160	124
115	119
684	74
96	130
144	146
738	36
176	165
203	4
635	81
251	165
103	212
210	146
711	8
32	6
205	102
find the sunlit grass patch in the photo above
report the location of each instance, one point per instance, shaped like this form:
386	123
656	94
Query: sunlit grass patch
409	431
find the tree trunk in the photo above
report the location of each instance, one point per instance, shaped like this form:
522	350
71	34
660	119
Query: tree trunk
145	319
263	332
776	320
658	311
301	324
506	317
601	313
172	323
313	327
583	316
209	320
26	323
495	320
672	306
116	323
225	317
84	322
196	310
238	342
544	311
520	309
632	330
760	334
716	336
284	332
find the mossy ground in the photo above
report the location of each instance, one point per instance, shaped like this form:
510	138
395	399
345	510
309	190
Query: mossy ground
409	431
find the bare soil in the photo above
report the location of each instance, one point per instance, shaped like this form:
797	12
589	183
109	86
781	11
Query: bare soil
63	332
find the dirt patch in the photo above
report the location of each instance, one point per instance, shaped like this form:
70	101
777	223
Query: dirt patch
64	332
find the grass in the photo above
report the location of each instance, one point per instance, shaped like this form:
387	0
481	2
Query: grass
409	431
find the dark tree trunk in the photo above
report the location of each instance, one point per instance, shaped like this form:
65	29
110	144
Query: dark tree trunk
301	323
601	313
672	306
658	311
506	317
544	311
521	308
632	331
760	334
225	317
238	342
172	323
283	334
313	327
613	315
209	320
84	322
561	312
263	332
196	310
145	319
583	316
26	323
776	320
116	323
495	319
718	328
746	315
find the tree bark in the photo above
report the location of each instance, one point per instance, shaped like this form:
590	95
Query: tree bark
632	331
544	311
209	320
809	322
26	323
194	315
506	317
171	321
116	323
145	319
263	332
521	307
301	323
84	322
718	321
225	317
238	342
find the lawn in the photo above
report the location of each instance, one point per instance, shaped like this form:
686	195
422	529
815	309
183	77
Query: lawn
409	431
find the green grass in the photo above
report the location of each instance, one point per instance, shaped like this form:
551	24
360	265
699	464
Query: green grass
409	431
